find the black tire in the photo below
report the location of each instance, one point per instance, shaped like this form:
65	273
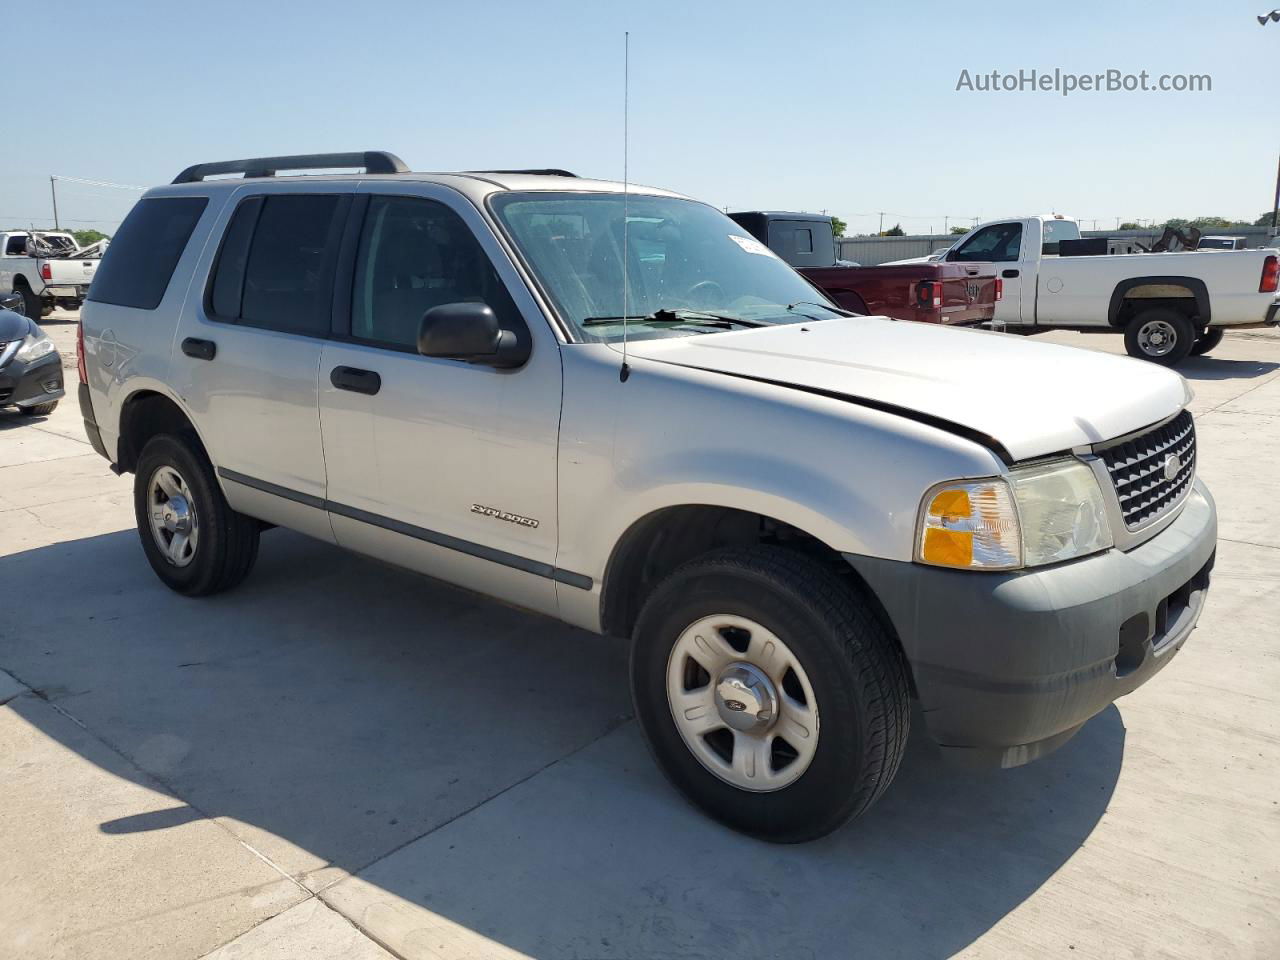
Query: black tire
31	305
856	668
227	545
1175	331
1207	341
39	410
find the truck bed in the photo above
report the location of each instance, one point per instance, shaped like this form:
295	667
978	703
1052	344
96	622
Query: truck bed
968	291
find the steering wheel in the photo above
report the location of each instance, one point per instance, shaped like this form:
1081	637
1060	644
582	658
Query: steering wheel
704	292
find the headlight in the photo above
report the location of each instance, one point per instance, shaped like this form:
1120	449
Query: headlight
1037	515
34	347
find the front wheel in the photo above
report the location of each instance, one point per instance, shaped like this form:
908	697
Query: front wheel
1160	335
769	693
1207	341
194	541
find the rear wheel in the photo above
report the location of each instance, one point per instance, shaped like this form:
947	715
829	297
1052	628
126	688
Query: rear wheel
769	693
30	302
1207	341
1160	335
194	541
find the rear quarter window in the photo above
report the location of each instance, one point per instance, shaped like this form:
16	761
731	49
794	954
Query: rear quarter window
138	265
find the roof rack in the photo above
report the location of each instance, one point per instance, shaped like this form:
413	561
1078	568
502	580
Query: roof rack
372	161
543	172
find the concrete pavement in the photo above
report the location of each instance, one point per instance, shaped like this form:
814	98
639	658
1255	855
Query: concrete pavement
341	759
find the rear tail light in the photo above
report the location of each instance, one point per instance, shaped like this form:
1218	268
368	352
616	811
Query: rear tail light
1270	275
46	272
80	368
929	294
999	289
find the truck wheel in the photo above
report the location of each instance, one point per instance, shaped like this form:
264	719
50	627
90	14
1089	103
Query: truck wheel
193	540
1160	335
30	302
1207	341
769	692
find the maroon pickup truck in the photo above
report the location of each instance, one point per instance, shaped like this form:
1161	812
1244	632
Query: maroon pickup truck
938	292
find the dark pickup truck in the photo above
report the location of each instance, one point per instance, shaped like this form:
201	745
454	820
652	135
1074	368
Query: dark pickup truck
939	292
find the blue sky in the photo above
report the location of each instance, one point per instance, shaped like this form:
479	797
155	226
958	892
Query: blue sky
848	107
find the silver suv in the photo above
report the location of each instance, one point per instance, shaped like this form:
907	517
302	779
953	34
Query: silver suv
613	406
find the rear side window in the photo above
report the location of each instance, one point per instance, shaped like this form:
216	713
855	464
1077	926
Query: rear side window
275	268
138	265
802	243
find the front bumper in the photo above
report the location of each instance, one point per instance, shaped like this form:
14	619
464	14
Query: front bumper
28	384
1009	666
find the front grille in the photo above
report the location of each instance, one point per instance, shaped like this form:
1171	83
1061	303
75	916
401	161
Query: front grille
1147	484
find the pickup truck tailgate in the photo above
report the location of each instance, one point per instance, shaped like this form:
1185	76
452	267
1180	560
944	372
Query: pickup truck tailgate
68	270
968	292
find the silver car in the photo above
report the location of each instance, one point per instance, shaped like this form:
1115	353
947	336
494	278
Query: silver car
613	406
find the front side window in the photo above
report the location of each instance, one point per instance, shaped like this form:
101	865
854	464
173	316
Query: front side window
416	254
680	255
137	267
998	243
275	267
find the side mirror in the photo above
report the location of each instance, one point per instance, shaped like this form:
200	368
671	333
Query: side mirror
470	332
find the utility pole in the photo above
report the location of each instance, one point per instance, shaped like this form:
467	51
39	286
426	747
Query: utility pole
54	191
881	231
1275	210
946	224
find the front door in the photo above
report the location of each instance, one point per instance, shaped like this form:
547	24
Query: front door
439	465
1001	244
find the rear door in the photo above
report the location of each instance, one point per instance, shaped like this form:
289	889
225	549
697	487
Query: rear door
1005	245
249	349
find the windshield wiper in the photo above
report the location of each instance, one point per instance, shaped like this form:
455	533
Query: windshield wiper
791	308
680	315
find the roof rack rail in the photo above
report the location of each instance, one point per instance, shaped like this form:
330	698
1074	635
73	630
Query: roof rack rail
541	172
372	161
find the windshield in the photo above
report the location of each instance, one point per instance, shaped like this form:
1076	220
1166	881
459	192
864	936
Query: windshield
684	259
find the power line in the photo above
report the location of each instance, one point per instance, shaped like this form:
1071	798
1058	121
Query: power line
97	183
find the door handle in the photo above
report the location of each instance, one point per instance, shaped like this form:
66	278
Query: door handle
1009	274
355	380
200	349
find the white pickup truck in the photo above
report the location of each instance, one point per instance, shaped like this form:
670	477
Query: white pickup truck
1167	305
47	269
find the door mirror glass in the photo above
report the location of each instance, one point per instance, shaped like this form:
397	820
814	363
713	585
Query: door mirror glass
470	332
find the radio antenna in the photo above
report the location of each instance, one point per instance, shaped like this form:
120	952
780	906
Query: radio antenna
625	371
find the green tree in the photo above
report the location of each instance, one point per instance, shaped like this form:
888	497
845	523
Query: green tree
1129	225
1264	220
895	231
957	231
838	226
86	237
1210	223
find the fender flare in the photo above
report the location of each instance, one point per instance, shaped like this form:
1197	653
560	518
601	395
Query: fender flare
1197	287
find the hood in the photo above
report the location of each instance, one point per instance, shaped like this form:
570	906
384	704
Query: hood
13	326
1031	398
